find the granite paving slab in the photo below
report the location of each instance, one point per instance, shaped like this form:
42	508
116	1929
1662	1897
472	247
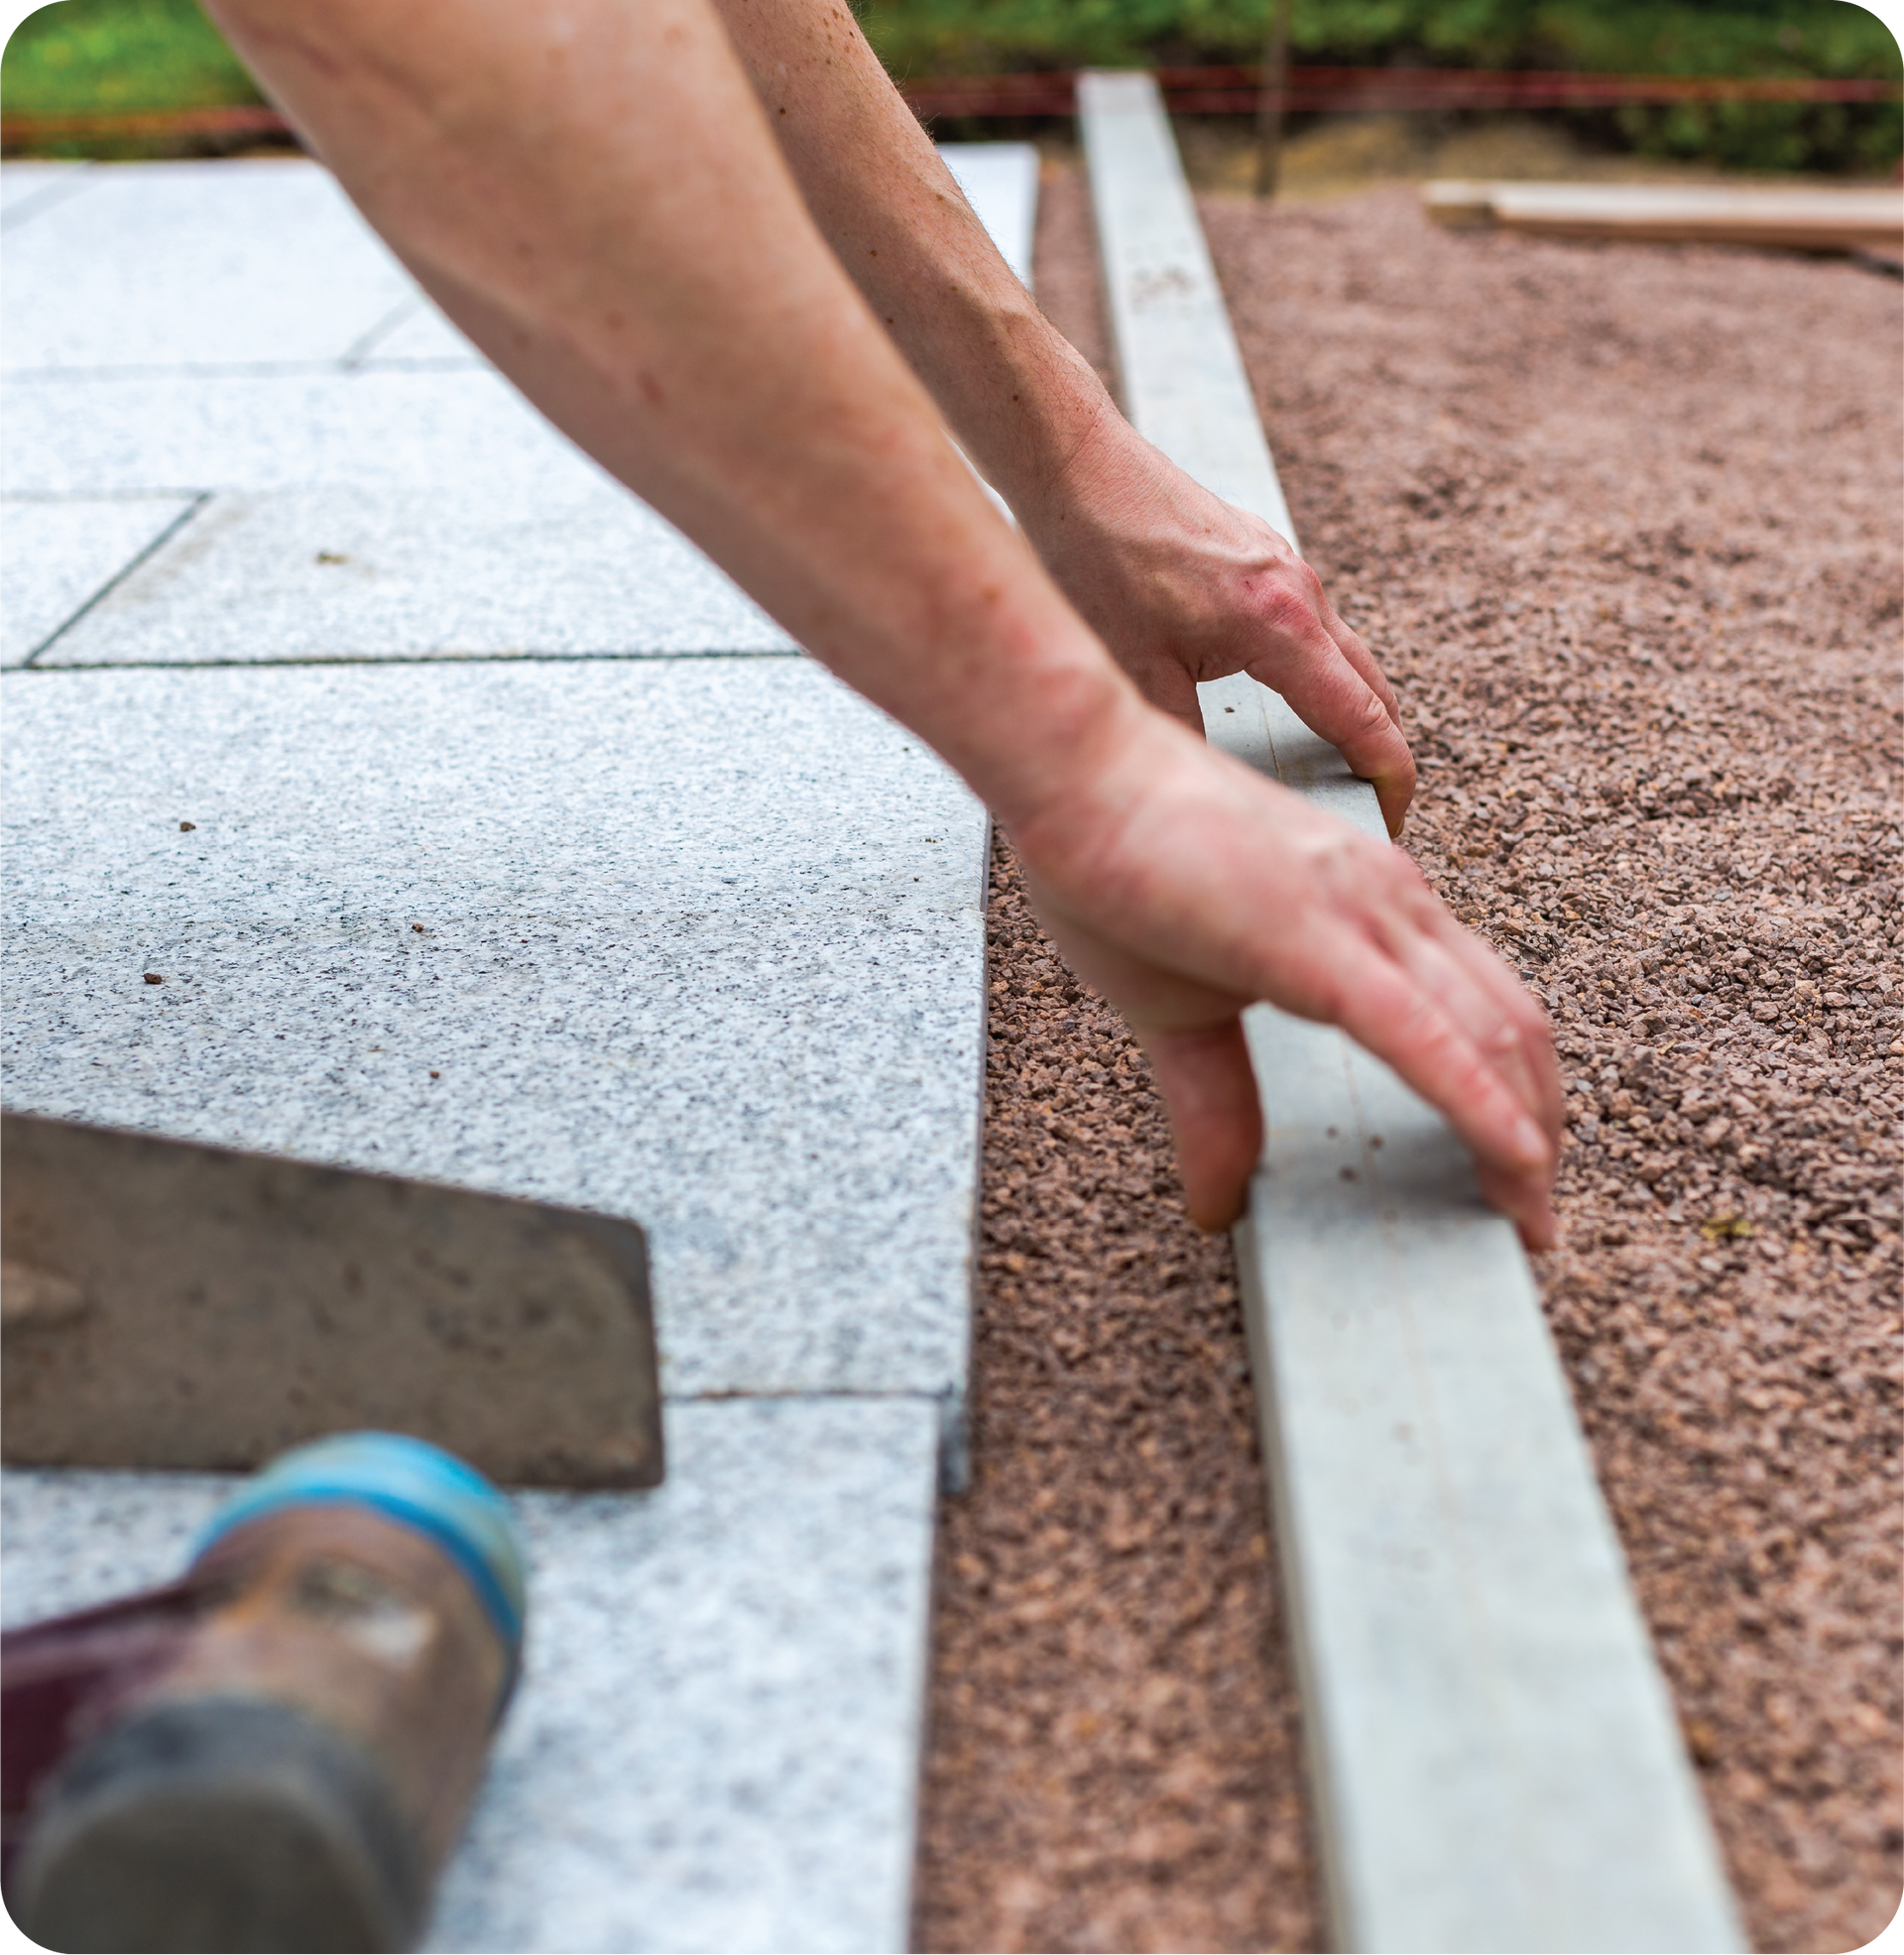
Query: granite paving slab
486	569
696	939
715	1745
1000	181
196	265
83	434
697	942
30	187
56	558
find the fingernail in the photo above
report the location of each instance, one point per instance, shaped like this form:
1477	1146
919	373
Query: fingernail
1529	1142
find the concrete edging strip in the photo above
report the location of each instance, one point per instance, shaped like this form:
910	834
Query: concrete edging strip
1496	1757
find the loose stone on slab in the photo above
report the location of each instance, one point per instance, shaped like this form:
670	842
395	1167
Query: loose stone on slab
478	569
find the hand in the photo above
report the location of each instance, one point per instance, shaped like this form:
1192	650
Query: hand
1184	588
1184	887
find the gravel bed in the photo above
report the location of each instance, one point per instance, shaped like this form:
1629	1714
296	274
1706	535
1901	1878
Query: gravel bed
1115	1758
1623	523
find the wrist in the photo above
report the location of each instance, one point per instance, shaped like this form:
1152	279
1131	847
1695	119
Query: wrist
1035	410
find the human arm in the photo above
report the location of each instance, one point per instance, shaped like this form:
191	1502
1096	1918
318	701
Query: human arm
1182	587
592	192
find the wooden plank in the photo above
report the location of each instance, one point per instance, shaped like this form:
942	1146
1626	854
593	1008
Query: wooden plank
1494	1755
1802	219
1177	359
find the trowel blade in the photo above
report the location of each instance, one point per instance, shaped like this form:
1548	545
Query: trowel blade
164	1304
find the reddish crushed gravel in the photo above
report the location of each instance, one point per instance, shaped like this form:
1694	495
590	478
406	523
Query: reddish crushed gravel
1623	524
1114	1761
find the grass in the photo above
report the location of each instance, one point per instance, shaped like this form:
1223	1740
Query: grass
91	57
96	56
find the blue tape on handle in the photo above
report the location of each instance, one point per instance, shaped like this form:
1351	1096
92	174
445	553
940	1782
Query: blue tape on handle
416	1484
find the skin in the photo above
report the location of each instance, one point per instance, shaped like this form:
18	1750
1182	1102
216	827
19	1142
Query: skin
710	243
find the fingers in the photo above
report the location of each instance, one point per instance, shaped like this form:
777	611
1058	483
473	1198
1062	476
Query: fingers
1335	687
1194	887
1420	1033
1215	1115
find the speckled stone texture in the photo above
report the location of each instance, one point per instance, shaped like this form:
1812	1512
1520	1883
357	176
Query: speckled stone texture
695	939
256	433
715	1741
482	569
224	265
693	942
56	558
29	186
1622	523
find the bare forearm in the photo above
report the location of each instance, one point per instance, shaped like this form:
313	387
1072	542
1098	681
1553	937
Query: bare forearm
591	189
1020	397
594	197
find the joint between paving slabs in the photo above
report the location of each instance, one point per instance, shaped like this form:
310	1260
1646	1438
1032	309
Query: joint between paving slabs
201	497
69	183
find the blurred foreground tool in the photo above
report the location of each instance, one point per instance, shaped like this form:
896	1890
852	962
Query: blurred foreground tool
163	1305
278	1750
1808	219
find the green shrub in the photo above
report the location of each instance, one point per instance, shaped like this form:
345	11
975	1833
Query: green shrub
1824	38
83	56
95	57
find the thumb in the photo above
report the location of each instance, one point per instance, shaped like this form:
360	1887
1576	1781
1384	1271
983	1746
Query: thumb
1216	1117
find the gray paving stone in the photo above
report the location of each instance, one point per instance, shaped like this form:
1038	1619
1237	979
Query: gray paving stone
196	265
54	557
702	946
716	1740
134	434
481	569
1000	181
28	188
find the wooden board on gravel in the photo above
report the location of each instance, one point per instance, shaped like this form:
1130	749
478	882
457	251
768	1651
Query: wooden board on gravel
1798	219
1496	1759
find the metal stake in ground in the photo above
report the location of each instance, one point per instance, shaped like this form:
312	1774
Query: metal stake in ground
1275	79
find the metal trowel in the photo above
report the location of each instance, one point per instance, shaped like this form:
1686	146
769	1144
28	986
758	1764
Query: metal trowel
169	1305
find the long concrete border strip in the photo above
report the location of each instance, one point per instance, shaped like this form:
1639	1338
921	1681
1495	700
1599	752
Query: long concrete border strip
1496	1757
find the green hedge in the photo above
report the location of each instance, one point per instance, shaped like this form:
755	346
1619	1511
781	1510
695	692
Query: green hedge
102	55
1826	37
93	57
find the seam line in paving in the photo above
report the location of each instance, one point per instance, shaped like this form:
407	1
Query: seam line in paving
364	658
105	590
365	345
1494	1756
67	184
